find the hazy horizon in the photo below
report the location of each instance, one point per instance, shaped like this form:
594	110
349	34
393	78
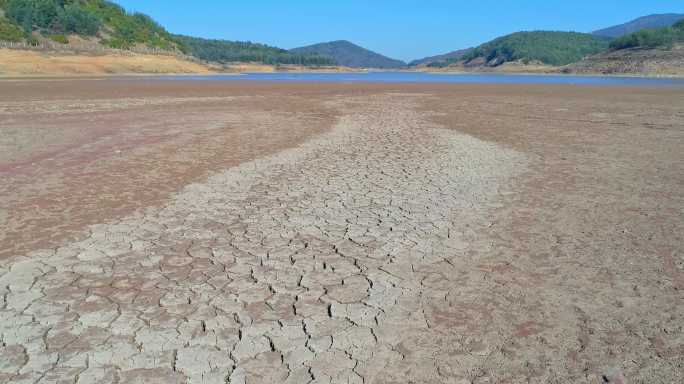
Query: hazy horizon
403	29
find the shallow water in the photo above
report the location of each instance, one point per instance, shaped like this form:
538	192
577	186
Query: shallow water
420	77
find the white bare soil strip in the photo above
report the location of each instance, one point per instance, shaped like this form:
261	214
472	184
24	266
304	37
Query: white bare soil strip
328	263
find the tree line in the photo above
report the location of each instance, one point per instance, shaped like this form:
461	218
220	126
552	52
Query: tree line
224	51
55	19
651	38
548	47
52	16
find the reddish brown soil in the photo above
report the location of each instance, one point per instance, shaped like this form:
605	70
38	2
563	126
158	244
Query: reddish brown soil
569	268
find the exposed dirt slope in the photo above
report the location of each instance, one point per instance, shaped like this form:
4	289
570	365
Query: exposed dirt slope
650	62
27	63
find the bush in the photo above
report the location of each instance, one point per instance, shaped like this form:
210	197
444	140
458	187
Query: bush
73	19
32	40
117	43
62	39
30	14
10	32
139	28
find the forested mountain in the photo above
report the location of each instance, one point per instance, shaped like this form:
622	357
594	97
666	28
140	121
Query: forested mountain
231	51
652	38
645	22
350	55
455	55
547	47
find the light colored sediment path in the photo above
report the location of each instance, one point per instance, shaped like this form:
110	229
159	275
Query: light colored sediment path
334	261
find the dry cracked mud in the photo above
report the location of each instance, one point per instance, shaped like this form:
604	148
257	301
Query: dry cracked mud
397	243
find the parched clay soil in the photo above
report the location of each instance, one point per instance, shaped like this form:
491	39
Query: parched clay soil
205	232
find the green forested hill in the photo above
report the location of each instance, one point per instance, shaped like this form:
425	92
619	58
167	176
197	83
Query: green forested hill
108	21
350	55
230	51
437	60
645	22
548	47
651	38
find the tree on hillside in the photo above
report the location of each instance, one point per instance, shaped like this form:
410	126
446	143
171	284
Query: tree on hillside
32	13
73	19
53	16
10	32
244	51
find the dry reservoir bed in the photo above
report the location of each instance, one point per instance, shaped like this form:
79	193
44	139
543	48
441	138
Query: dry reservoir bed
213	232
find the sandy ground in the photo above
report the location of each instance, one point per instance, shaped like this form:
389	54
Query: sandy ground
33	63
157	231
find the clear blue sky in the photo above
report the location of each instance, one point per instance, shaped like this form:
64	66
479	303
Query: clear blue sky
403	29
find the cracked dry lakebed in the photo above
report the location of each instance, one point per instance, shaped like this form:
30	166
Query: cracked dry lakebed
159	231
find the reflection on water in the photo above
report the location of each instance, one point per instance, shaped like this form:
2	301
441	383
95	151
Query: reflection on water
418	77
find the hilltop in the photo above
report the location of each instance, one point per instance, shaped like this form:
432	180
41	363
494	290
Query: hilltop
226	51
646	52
645	22
350	55
453	56
537	47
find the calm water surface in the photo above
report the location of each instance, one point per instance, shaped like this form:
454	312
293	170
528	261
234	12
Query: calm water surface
418	77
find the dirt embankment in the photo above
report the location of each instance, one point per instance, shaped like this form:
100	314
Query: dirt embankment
510	67
635	62
15	62
648	62
31	63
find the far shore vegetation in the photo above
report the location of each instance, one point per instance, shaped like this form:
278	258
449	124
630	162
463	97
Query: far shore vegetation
651	38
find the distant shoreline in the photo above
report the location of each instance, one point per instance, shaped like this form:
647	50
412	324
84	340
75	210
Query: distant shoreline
110	76
584	74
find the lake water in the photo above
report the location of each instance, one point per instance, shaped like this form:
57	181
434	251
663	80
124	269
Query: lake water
420	77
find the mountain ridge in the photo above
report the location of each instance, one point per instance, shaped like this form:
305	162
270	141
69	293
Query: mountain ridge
439	58
348	54
653	21
223	51
553	48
